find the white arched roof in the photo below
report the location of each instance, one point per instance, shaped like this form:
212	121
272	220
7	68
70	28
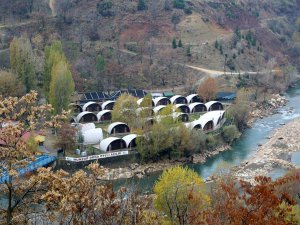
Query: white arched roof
209	104
204	119
113	125
129	138
194	104
158	108
212	116
80	115
87	126
156	100
104	104
101	113
87	105
93	136
190	97
107	141
175	97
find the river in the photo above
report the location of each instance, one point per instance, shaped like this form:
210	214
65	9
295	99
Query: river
241	150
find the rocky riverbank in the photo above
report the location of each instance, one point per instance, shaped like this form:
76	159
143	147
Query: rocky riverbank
274	154
141	170
267	108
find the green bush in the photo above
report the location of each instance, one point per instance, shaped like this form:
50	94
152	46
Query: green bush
179	4
230	133
141	5
211	142
188	11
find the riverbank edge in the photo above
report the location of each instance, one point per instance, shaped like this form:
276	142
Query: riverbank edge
258	111
274	154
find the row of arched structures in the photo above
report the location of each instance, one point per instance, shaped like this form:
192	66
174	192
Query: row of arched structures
190	103
106	115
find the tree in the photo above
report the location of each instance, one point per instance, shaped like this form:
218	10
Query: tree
125	110
242	203
188	51
180	195
175	19
241	108
180	43
61	87
66	137
174	44
100	67
16	154
207	89
10	85
141	5
230	133
179	4
53	55
22	62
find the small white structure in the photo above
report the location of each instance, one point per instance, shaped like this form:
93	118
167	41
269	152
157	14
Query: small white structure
156	95
108	105
86	117
104	115
87	126
157	109
161	101
193	98
214	105
92	137
183	108
130	140
178	99
91	107
112	143
197	107
118	128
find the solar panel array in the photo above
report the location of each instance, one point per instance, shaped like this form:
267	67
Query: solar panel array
102	96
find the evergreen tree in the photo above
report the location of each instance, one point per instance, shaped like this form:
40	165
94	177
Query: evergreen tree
61	86
141	5
174	44
216	44
180	43
22	62
188	51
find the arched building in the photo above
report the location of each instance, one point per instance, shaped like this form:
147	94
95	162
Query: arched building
130	140
158	109
86	117
197	107
183	108
161	101
76	108
111	144
214	105
178	99
93	136
118	128
108	105
91	107
193	98
104	115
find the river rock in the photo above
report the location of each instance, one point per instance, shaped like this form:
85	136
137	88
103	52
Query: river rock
133	166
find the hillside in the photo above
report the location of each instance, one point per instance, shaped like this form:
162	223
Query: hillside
136	40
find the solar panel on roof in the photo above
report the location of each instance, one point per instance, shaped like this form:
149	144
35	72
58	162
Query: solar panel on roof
88	96
94	95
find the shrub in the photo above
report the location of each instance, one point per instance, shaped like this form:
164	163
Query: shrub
230	133
141	5
211	142
188	11
179	4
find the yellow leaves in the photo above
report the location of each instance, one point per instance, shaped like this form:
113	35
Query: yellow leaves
178	191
